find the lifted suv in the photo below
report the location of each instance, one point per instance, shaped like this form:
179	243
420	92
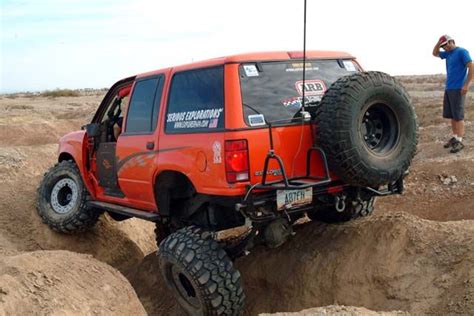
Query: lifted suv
236	142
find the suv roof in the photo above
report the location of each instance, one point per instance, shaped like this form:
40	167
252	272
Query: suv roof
256	56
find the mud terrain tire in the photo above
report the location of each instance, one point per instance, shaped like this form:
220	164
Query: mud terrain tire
200	274
62	198
367	127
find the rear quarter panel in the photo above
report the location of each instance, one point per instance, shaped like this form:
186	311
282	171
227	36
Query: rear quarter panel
198	155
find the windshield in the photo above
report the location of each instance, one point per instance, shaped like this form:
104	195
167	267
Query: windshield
272	91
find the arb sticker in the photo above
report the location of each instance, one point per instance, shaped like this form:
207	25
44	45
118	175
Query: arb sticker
311	87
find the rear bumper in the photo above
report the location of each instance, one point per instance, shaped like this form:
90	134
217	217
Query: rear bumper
260	205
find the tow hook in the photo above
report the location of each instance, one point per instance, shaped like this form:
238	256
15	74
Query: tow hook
340	203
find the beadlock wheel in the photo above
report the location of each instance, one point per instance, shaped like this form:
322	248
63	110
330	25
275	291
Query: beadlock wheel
62	200
64	196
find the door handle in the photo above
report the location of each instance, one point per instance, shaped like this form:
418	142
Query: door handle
150	145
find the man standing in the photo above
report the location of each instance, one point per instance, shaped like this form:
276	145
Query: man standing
459	72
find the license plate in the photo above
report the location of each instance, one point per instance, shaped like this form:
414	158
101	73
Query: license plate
293	198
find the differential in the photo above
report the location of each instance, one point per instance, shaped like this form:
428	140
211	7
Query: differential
277	232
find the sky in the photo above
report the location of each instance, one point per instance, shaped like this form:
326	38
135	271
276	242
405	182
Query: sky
51	44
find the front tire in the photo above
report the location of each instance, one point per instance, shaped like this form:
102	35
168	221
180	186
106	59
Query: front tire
62	198
200	274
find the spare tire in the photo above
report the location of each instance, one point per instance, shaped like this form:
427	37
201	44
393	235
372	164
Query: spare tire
367	127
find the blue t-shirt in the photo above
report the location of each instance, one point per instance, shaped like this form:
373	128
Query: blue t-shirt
456	70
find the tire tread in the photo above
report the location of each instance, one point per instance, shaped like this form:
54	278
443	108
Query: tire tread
82	219
209	266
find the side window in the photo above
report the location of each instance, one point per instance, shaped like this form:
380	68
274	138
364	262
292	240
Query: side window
144	106
196	101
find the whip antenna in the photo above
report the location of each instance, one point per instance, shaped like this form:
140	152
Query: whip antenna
304	56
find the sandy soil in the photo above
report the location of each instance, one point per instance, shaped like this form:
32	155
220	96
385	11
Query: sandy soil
415	254
63	283
338	310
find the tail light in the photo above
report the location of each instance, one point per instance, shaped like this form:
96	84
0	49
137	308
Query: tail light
237	160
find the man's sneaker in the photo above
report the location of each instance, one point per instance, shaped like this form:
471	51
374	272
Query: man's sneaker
457	147
450	142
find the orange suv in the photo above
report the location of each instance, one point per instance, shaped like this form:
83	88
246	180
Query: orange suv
250	142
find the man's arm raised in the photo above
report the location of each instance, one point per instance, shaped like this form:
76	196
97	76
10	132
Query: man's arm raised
436	48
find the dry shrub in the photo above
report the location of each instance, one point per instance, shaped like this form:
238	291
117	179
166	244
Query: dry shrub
60	93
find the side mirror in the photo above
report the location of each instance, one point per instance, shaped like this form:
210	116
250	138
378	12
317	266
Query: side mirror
93	130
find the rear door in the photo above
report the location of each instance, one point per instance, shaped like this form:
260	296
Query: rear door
272	92
137	145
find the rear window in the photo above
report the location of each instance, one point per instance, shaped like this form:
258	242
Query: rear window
196	102
272	91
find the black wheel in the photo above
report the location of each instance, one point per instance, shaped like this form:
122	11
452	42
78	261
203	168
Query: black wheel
367	127
350	208
200	274
62	198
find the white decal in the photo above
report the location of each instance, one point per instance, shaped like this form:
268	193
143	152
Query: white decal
311	87
195	119
295	102
349	65
217	148
251	70
192	124
256	120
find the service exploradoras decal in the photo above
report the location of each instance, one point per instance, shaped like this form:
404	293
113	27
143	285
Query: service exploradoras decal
195	119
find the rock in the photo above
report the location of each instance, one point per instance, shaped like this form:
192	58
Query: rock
447	180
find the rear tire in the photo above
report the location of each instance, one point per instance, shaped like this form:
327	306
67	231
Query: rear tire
200	274
367	127
62	200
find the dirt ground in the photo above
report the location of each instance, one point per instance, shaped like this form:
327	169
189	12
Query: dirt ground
414	255
63	283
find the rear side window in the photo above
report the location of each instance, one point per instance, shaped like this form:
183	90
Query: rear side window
144	106
196	101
